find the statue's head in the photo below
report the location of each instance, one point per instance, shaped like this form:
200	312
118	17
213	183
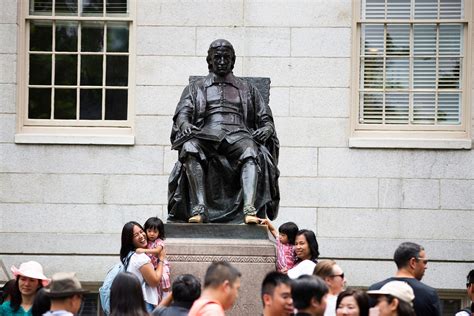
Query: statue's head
220	57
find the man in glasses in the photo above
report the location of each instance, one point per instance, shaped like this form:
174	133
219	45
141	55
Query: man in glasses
412	262
333	276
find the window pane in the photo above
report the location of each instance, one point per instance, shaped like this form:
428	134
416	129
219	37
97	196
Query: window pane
449	73
66	7
398	39
91	70
91	104
66	70
93	7
451	9
39	103
449	108
372	39
396	108
92	38
65	104
41	36
117	71
372	108
426	9
424	108
397	73
424	39
117	37
41	7
374	9
40	69
398	9
116	104
372	73
66	36
450	39
424	73
116	6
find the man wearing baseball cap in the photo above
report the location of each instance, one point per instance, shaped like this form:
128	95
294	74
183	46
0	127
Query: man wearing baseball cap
65	292
395	298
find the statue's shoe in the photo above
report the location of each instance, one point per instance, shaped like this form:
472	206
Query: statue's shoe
196	219
201	214
251	220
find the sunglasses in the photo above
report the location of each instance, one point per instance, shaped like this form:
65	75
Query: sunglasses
338	275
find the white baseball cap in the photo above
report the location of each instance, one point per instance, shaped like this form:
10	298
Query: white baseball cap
398	289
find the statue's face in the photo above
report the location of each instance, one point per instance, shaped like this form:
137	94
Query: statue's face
221	61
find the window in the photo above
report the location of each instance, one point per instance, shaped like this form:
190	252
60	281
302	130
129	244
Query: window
76	80
411	74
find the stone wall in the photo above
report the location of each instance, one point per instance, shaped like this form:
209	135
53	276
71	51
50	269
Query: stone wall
65	205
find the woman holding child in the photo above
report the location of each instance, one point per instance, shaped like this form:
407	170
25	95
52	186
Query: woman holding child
307	253
139	264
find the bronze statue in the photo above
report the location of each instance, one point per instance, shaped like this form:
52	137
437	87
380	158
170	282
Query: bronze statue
228	149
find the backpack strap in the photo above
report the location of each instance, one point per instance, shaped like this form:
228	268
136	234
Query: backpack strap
127	259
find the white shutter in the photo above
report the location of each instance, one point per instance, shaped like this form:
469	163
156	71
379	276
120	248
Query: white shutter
398	9
451	9
373	9
372	108
426	9
449	105
424	108
396	108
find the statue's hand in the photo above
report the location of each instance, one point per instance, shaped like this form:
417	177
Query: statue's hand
262	134
187	128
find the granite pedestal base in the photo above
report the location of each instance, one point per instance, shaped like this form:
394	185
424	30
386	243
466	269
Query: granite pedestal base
192	247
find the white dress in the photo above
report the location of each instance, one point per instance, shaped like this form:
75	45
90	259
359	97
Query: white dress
137	260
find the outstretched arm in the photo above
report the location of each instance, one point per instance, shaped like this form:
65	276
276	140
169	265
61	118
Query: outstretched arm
271	228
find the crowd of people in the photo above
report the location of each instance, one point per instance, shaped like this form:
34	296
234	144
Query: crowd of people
300	285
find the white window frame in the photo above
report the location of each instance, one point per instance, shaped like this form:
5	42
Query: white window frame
30	131
392	136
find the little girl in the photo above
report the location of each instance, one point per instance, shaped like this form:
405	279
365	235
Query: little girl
155	233
285	238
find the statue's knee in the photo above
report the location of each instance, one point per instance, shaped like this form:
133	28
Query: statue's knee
190	161
249	161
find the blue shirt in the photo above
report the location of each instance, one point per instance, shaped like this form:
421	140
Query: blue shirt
6	310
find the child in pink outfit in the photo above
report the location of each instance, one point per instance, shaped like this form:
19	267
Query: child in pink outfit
285	239
155	232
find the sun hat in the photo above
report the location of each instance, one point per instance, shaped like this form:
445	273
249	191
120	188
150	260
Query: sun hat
31	269
64	284
398	289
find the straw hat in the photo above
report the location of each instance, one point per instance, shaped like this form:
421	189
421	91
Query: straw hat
64	284
31	269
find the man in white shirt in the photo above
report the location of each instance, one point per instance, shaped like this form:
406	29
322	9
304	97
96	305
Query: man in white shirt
333	275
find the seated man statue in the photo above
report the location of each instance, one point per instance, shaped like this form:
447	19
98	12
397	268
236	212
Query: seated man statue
228	149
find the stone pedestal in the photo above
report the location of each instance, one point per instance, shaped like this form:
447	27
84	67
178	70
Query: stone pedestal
192	247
